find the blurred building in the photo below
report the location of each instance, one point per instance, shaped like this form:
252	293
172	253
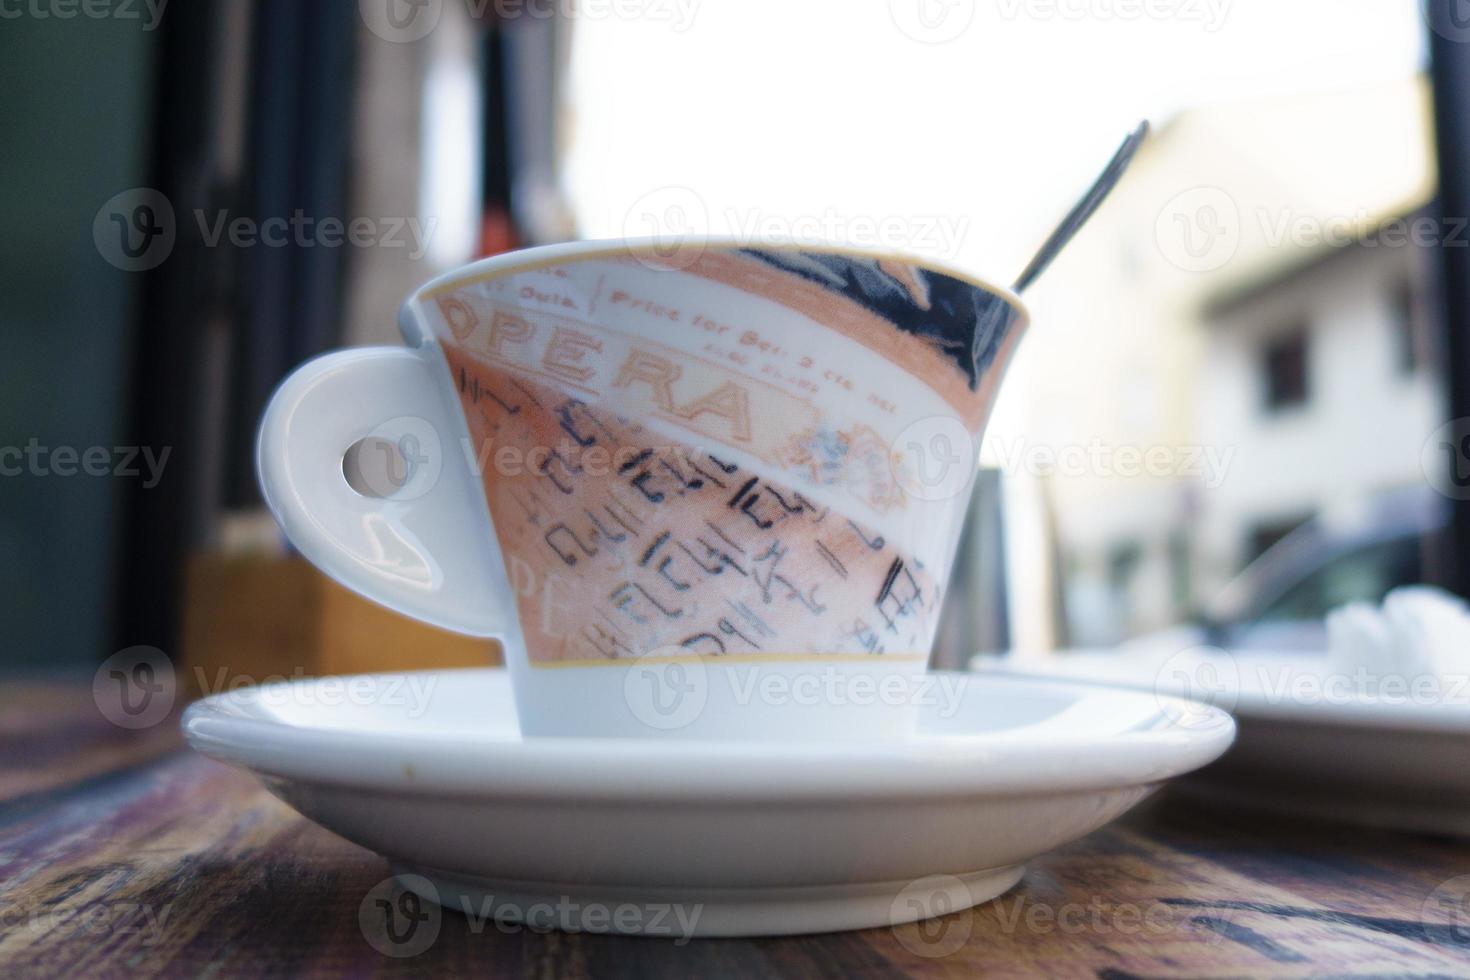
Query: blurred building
1235	353
1323	371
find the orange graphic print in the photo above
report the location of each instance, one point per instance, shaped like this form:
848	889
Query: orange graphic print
619	541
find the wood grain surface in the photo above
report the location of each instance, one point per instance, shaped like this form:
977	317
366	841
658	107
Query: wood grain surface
124	854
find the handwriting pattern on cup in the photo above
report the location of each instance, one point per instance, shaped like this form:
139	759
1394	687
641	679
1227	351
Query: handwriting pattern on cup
618	542
813	364
720	402
707	456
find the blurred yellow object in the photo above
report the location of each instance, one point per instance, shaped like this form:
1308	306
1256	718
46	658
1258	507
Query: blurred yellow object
251	619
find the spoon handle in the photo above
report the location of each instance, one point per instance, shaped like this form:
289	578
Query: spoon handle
1084	208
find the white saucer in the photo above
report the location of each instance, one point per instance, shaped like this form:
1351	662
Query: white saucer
746	838
1312	740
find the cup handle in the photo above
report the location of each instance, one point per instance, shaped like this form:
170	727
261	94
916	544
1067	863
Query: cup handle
426	548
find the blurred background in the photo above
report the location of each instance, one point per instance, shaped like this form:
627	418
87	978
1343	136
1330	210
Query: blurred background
1233	412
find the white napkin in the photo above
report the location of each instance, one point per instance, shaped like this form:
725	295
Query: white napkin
1419	630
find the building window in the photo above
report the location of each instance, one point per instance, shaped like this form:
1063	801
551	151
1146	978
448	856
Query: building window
1404	330
1284	370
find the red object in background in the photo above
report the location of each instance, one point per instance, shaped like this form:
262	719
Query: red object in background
497	233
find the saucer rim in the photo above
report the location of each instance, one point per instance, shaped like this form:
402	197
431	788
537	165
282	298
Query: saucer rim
1252	705
927	766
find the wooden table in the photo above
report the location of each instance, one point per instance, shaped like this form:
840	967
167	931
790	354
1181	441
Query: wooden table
124	854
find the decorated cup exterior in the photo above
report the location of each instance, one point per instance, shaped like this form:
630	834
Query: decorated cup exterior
723	486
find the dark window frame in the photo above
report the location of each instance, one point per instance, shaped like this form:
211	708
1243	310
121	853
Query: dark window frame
1403	311
1285	367
1449	65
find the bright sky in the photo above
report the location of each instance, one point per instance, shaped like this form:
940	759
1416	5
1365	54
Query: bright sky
832	117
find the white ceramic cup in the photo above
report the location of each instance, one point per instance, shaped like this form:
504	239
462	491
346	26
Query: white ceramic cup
705	491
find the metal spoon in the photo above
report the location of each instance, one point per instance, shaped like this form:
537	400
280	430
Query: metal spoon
1084	208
